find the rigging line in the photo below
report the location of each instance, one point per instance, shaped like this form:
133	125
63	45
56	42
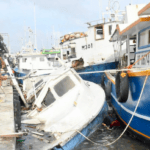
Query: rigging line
127	124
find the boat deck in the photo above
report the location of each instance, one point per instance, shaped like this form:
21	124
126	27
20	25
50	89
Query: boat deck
7	125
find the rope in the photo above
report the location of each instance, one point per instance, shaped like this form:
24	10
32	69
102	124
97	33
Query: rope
112	70
127	124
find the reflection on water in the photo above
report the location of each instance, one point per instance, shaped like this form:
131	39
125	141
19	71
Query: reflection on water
105	136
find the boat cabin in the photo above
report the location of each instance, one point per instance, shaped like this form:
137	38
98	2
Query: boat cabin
94	46
37	62
134	40
67	103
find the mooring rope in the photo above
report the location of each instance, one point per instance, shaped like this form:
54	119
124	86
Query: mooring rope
127	124
90	72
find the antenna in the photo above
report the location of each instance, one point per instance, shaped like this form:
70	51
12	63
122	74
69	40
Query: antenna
54	35
35	44
115	6
47	40
25	30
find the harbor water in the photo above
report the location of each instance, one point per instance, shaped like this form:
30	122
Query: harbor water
101	136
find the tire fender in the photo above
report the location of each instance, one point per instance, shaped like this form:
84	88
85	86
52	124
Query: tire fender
122	86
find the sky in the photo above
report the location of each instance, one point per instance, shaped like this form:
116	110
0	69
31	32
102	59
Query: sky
54	18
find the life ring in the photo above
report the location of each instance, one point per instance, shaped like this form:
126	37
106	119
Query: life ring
122	86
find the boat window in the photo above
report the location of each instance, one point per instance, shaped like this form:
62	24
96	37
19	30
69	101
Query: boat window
99	32
41	58
138	57
49	98
110	29
24	59
38	83
73	53
55	62
144	38
64	86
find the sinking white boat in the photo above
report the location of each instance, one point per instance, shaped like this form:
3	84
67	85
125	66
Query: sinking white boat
66	107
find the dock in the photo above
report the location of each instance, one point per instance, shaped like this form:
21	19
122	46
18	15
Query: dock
7	124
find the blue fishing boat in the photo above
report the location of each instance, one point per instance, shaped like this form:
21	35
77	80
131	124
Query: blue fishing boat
94	76
92	51
129	89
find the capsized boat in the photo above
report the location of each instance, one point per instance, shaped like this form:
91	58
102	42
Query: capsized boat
67	105
129	90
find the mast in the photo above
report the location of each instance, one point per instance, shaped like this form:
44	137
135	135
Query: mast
35	42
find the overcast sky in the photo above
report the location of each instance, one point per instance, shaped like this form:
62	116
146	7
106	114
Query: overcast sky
52	16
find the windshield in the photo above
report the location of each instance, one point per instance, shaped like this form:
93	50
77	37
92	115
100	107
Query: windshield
49	98
64	86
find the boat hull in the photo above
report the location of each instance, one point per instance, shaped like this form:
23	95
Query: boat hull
87	131
19	74
140	125
96	77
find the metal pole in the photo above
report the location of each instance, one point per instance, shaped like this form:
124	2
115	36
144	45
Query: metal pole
35	28
128	49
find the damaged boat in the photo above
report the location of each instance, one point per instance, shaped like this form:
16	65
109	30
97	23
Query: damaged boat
68	108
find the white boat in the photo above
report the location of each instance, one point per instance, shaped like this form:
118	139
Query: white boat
29	60
67	106
92	50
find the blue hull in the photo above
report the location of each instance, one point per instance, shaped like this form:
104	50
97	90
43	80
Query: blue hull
87	131
96	77
19	74
140	124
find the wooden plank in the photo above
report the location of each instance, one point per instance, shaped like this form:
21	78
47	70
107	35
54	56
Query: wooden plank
12	134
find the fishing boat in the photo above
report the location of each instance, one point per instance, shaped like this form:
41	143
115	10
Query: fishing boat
128	87
68	108
29	60
92	51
